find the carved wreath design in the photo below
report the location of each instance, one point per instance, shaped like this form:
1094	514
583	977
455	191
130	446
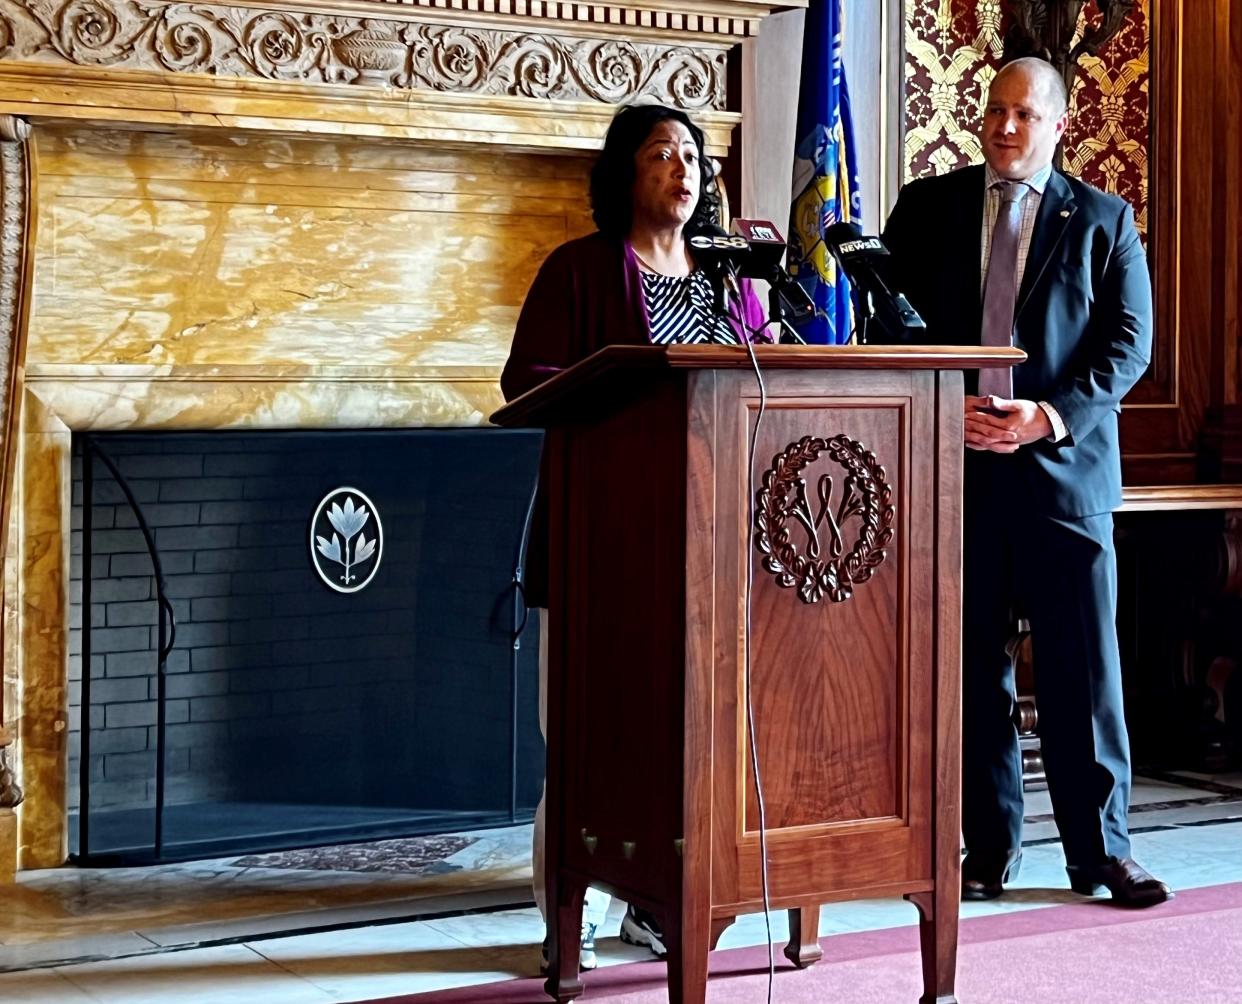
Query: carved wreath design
865	493
277	45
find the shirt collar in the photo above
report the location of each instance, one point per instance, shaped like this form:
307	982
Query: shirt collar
1038	181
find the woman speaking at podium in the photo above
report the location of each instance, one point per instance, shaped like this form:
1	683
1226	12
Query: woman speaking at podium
633	282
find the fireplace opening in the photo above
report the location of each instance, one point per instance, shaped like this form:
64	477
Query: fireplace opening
346	654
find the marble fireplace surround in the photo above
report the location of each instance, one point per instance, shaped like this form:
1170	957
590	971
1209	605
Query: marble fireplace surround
300	215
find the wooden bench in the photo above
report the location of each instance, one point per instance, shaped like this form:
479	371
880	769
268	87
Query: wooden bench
1135	499
1155	498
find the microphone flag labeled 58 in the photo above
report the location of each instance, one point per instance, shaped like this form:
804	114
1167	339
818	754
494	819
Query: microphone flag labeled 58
825	173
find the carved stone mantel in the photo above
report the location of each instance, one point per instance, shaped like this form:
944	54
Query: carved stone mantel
521	73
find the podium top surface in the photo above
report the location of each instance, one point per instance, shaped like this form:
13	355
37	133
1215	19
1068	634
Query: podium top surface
529	408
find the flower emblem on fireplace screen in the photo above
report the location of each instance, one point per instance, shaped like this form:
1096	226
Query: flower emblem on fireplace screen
346	540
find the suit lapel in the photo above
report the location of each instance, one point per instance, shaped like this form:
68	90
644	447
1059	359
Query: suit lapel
970	245
1055	211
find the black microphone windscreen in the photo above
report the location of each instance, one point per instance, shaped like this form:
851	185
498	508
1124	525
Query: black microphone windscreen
712	246
707	230
848	244
840	233
714	239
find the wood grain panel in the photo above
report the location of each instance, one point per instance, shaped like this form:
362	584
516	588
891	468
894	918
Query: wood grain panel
1175	424
618	573
1223	434
853	742
856	647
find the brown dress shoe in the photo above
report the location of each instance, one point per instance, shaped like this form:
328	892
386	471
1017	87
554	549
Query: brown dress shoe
1130	884
985	877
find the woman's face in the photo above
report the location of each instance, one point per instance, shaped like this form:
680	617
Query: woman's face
666	178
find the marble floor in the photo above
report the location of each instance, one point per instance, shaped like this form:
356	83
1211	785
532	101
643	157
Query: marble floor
70	914
357	946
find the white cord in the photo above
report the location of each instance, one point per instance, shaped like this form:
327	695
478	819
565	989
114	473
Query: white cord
750	705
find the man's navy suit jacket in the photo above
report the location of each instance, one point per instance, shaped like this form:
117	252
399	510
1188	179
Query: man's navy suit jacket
1084	319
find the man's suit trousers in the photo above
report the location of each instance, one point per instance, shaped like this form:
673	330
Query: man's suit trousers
1061	574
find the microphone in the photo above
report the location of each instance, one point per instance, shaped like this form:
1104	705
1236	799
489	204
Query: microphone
722	255
788	302
767	247
863	260
754	251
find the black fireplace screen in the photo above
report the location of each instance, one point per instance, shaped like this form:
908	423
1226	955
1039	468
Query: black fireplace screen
289	639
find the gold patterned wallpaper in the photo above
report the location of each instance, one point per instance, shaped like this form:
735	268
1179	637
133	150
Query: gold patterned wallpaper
953	48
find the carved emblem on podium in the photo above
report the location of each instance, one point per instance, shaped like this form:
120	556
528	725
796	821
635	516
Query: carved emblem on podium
786	515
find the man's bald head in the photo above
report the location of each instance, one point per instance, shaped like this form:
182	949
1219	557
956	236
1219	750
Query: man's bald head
1024	118
1044	76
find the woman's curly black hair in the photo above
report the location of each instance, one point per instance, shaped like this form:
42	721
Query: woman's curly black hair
612	175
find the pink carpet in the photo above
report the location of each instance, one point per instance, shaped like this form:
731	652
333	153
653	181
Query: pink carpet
1188	951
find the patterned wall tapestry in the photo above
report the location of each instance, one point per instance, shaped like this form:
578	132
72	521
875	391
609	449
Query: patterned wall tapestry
953	48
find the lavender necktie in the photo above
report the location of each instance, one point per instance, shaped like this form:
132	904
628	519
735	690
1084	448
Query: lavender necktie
1000	290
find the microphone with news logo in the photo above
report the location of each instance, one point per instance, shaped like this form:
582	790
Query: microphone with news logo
789	304
722	256
864	260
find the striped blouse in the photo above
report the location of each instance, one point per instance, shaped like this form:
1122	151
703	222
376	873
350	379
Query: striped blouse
679	309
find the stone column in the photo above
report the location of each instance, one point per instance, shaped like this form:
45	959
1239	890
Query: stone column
46	487
14	229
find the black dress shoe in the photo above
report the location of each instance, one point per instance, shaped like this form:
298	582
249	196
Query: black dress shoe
1130	884
984	877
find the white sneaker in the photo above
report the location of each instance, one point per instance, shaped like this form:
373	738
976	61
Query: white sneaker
586	950
586	947
638	927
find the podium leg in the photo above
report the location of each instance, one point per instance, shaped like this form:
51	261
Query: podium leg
803	949
564	935
688	946
938	912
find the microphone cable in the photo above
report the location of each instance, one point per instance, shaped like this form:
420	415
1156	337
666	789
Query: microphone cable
748	341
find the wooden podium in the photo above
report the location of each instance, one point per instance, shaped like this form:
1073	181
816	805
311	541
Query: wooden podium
855	512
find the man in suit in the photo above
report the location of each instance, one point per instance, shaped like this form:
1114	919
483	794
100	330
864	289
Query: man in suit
1014	252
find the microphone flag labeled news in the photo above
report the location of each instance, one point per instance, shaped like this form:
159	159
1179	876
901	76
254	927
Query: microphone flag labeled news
865	260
